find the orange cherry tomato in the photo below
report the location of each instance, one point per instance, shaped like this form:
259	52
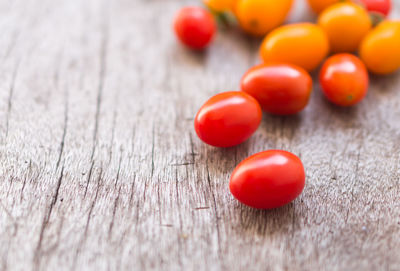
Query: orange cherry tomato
268	179
344	79
319	5
220	5
303	44
346	24
258	17
228	119
380	49
281	89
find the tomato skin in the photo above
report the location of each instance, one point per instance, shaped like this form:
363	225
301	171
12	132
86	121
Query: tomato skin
258	17
228	119
281	89
344	79
320	5
381	6
380	49
302	44
195	27
346	24
220	5
268	179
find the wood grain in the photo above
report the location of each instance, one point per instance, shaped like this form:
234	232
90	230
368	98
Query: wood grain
100	168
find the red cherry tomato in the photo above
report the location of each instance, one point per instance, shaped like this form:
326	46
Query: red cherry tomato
380	6
228	119
268	179
344	79
280	89
195	27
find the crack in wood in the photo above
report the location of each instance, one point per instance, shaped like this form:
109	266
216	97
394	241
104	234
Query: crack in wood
64	133
118	170
152	151
89	217
46	219
10	96
113	214
214	202
88	179
100	88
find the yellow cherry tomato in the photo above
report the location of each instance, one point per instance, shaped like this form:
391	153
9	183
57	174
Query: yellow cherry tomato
258	17
319	5
303	44
380	49
220	5
346	24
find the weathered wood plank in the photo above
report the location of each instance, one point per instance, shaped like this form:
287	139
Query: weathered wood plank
100	167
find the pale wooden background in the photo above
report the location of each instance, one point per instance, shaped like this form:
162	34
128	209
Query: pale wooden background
100	168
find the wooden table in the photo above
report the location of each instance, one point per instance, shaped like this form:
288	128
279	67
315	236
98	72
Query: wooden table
100	167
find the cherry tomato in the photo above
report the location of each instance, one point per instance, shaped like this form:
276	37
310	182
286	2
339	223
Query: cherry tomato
228	119
280	89
268	179
346	24
220	5
303	44
380	6
258	17
195	27
319	5
380	49
344	79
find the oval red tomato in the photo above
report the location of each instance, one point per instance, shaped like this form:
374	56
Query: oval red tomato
280	89
344	79
268	179
195	27
380	6
228	119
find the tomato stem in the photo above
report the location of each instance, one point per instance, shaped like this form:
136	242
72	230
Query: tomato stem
376	18
223	18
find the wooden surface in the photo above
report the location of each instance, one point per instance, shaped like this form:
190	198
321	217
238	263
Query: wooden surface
100	168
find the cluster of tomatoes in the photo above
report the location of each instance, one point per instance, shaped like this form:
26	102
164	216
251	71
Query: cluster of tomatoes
281	85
